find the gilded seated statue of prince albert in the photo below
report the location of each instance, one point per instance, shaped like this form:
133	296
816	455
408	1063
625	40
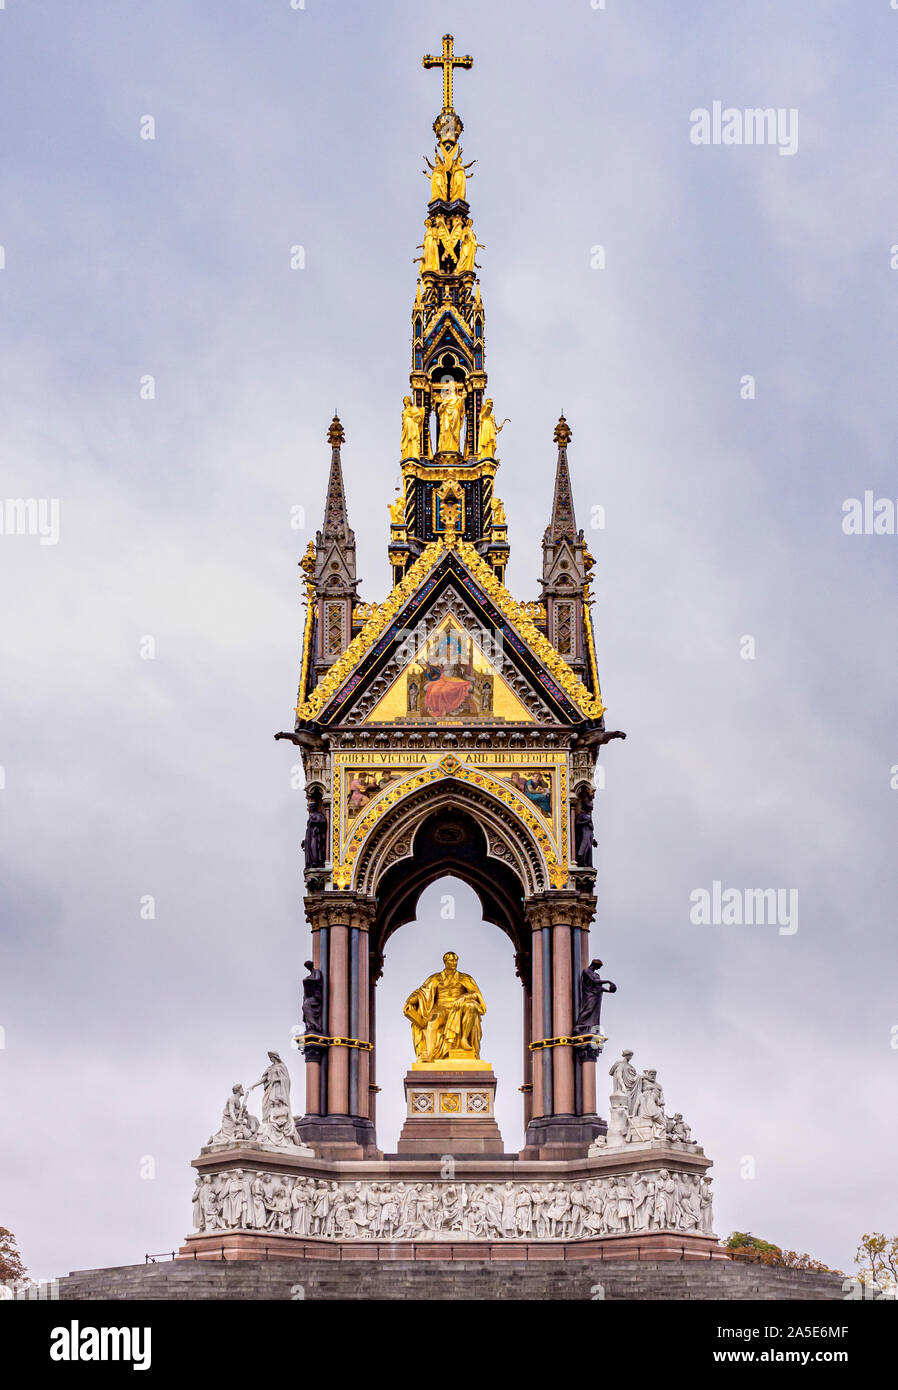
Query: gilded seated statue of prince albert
445	1013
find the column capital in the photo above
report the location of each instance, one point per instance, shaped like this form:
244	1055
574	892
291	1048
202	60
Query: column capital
562	907
336	908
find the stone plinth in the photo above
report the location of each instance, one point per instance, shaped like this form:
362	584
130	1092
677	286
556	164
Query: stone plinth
450	1109
255	1245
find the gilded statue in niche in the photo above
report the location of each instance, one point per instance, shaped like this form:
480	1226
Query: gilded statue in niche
412	421
450	406
489	432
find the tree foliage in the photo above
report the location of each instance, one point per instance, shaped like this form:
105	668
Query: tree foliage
742	1245
12	1267
877	1260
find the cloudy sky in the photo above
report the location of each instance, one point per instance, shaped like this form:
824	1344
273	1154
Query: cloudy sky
126	776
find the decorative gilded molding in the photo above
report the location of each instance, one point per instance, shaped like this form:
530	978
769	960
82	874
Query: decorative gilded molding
494	765
590	640
380	619
307	564
515	612
580	1040
449	766
458	473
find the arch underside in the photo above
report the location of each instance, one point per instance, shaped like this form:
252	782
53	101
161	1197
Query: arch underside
454	829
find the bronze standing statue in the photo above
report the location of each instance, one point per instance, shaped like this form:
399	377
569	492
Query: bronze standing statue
589	1015
314	842
584	830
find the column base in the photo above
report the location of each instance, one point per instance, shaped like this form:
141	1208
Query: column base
561	1136
339	1136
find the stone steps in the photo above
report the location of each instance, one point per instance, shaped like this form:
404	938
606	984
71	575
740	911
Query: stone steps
449	1281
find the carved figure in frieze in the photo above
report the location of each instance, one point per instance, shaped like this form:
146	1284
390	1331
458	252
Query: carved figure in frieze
233	1204
523	1207
664	1201
209	1205
427	1207
257	1210
301	1205
509	1210
321	1206
654	1200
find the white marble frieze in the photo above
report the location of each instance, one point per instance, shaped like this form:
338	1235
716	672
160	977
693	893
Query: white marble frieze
662	1199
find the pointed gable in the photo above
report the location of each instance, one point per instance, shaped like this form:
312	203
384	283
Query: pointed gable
534	667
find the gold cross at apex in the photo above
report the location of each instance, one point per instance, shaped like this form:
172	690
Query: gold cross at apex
447	62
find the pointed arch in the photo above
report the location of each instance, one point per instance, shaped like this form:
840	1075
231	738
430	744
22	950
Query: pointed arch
505	841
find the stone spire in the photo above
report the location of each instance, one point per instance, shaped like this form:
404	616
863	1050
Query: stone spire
563	525
566	566
336	520
334	579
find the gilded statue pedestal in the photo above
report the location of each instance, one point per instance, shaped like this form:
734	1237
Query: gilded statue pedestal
450	1109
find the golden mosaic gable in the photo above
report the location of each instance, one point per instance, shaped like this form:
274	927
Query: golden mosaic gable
450	679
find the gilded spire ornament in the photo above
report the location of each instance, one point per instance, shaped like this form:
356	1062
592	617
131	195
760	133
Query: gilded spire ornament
448	61
562	433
